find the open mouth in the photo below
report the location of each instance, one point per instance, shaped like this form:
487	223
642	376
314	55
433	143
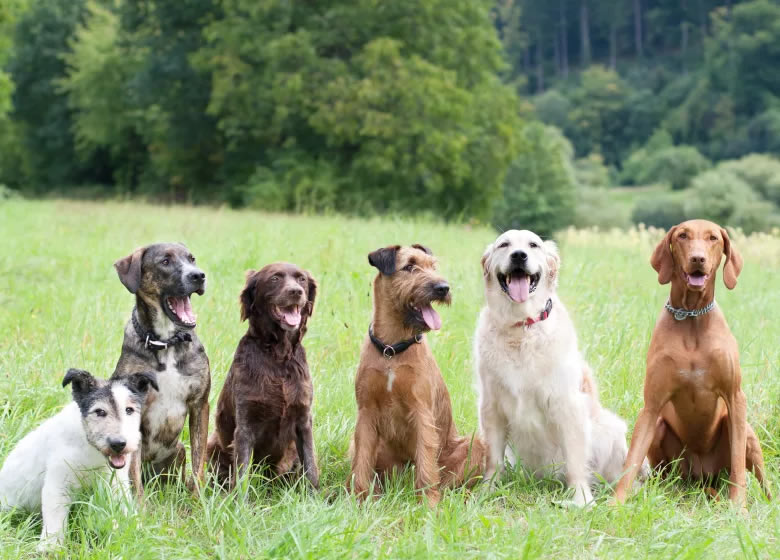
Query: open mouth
180	310
289	316
426	314
518	284
117	461
696	278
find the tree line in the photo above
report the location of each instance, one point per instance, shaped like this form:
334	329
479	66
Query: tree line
500	110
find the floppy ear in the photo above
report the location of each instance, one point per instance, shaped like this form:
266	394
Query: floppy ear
553	259
247	298
312	293
140	382
662	260
129	269
486	258
423	248
733	265
82	381
384	259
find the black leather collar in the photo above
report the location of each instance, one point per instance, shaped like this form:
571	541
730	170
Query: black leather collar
390	350
149	338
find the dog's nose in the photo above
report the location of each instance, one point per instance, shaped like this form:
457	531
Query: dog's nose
698	259
297	291
441	289
520	256
197	276
117	445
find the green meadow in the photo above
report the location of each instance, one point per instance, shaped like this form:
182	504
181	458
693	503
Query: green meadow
62	305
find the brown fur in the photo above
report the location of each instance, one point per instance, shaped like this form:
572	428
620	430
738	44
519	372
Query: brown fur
404	410
694	407
264	409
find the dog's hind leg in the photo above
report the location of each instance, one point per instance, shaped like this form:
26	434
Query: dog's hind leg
465	462
754	460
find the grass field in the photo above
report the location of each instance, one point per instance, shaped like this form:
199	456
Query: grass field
61	305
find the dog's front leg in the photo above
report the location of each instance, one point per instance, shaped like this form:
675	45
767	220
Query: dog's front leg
737	407
120	487
304	442
494	431
644	430
364	456
426	467
574	428
55	505
199	427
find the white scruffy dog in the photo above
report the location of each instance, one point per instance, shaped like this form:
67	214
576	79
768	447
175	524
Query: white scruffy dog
92	436
536	390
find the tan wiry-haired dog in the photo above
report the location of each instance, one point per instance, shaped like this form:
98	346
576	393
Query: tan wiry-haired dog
404	411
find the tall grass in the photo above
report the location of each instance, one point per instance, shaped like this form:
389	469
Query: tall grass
61	305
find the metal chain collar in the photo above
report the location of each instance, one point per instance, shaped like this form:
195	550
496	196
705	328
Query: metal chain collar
682	314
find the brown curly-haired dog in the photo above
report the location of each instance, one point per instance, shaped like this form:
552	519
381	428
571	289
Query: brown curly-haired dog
404	410
264	409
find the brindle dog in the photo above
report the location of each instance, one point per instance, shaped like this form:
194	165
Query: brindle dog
404	410
161	336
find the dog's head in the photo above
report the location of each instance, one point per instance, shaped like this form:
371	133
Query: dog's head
111	411
408	285
520	268
164	276
691	253
281	294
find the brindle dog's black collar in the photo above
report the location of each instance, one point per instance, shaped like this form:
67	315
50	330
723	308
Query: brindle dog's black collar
390	350
150	341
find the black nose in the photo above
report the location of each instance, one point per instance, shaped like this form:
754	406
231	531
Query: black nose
117	444
298	291
198	276
441	289
698	259
519	256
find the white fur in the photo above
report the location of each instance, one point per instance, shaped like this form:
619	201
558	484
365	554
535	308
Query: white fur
531	378
54	461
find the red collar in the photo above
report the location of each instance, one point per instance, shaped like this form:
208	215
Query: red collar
542	316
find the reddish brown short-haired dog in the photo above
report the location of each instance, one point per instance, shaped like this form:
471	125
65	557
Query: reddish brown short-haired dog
695	409
404	411
264	409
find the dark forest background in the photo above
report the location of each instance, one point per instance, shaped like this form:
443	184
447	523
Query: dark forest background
524	113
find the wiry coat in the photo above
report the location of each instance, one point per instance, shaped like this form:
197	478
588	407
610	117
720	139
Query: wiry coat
264	409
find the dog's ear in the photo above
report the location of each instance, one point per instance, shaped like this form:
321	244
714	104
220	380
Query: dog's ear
423	248
384	259
553	259
486	260
139	383
82	381
311	293
663	260
247	298
733	265
129	269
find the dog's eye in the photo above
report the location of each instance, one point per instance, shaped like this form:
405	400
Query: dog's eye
274	278
504	244
409	267
129	410
192	259
100	413
533	245
682	236
713	238
301	280
166	262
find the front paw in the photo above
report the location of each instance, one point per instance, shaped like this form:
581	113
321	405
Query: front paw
582	496
49	544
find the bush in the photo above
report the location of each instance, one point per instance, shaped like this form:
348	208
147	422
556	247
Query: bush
725	198
761	172
596	208
552	107
675	166
539	188
663	211
591	172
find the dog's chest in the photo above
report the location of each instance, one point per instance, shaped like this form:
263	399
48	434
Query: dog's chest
166	411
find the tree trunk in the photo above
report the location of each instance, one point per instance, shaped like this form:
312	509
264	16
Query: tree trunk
613	45
684	47
527	60
557	55
584	33
564	40
638	27
539	62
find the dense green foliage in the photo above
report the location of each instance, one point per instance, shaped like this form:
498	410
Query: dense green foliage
360	106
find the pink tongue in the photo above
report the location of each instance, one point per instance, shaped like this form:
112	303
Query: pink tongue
117	461
431	318
292	316
518	287
183	309
696	280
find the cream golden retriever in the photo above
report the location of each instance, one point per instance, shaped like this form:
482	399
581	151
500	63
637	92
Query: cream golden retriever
536	392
